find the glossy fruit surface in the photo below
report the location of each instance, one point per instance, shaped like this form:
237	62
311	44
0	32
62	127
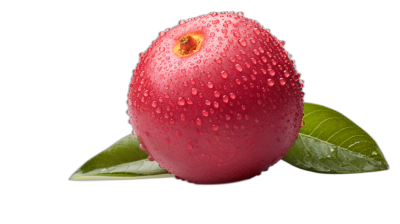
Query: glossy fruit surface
216	99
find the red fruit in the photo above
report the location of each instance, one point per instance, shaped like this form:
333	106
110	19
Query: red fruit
216	99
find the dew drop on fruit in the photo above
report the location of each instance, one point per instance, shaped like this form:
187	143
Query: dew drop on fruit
194	91
270	82
154	104
198	121
227	117
217	94
182	22
256	31
237	34
166	140
162	49
256	52
232	59
205	113
189	146
172	121
210	85
282	81
181	101
218	60
242	42
238	68
225	99
254	61
212	34
238	82
286	74
272	73
224	74
232	95
183	117
158	110
196	67
223	54
215	127
264	59
216	104
207	102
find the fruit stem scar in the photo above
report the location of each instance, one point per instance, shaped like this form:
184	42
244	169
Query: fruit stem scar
188	45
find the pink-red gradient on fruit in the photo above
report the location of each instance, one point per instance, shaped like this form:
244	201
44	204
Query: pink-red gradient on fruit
219	106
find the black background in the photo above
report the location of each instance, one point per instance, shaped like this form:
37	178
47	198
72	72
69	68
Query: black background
338	50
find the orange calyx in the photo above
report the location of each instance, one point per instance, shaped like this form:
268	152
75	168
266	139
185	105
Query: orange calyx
188	45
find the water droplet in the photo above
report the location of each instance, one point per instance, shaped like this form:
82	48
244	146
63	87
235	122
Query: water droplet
166	140
212	34
239	116
223	54
256	120
227	117
256	31
189	146
161	34
172	121
194	91
154	104
272	73
207	102
215	21
182	22
232	95
256	52
286	74
216	104
232	59
218	60
264	59
183	117
215	127
205	113
242	42
158	110
270	82
238	67
243	107
224	74
162	49
198	121
217	94
181	101
238	82
237	34
282	81
242	52
196	67
225	99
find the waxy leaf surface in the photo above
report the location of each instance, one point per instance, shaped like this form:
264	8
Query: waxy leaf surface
122	160
331	143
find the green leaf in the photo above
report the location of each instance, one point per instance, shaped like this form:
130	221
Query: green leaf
123	160
331	143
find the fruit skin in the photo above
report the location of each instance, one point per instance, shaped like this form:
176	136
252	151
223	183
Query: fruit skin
224	113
